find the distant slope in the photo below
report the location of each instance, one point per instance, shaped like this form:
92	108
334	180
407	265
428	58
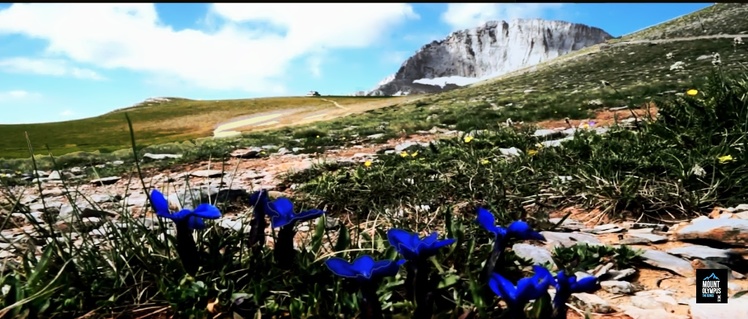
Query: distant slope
175	120
639	69
720	18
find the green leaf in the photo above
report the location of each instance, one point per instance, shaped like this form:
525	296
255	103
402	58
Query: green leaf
448	280
740	294
542	308
319	232
344	239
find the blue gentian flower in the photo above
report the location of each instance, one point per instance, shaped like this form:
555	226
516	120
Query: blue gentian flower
518	229
527	288
363	268
282	214
193	218
567	285
411	246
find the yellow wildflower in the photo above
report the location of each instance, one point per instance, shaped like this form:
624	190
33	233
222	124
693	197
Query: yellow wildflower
725	159
414	154
485	161
532	152
538	145
317	136
403	154
692	92
367	164
468	139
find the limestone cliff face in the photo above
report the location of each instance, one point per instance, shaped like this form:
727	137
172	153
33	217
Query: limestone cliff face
490	50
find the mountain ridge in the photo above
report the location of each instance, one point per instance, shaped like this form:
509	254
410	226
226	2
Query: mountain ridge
486	51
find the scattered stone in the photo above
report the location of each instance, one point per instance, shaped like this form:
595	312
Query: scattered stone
207	173
620	274
538	255
53	192
591	303
708	264
735	308
636	238
568	224
661	259
605	229
569	239
704	252
251	152
105	180
617	287
729	231
157	157
639	313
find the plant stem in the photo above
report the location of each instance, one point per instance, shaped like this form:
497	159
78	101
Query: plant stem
498	248
186	248
284	251
422	288
372	306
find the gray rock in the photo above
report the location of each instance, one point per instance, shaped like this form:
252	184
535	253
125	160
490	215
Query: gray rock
605	229
715	265
643	238
512	151
592	303
620	274
638	313
617	287
644	302
569	239
538	255
104	198
236	225
250	152
664	297
729	231
544	132
568	224
105	180
703	252
404	146
156	157
735	308
207	173
53	192
661	259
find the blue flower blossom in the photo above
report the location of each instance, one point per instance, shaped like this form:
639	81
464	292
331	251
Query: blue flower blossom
518	229
567	285
192	218
282	214
527	288
363	268
411	246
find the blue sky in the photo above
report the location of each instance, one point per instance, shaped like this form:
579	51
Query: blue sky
67	61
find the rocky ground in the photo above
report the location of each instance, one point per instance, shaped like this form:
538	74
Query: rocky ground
664	289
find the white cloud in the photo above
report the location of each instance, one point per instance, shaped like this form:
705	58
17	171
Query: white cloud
67	113
315	65
470	15
14	95
54	67
230	56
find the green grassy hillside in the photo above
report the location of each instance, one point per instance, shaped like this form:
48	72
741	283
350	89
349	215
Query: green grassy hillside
177	119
